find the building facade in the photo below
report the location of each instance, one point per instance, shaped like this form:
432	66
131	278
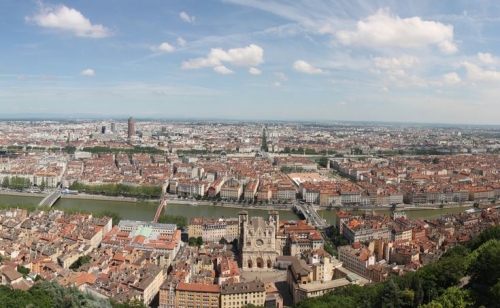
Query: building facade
258	241
239	294
131	127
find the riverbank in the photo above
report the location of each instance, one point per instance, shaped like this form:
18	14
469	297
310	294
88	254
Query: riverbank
233	205
99	197
22	194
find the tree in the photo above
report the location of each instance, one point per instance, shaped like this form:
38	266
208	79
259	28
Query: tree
485	269
131	303
180	221
264	141
323	161
452	297
5	182
435	161
391	295
42	185
416	286
81	261
199	241
23	270
495	292
192	241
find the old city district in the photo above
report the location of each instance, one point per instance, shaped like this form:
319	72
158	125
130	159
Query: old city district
243	260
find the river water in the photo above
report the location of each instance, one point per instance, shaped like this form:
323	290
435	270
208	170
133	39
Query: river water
146	210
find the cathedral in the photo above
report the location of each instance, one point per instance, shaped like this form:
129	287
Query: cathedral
262	241
258	245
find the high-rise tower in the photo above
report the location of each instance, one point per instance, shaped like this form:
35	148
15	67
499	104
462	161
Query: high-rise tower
131	127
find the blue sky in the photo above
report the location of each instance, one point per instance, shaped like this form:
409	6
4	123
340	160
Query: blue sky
415	61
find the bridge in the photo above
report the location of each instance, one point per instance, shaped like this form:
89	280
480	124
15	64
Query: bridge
309	212
51	199
163	203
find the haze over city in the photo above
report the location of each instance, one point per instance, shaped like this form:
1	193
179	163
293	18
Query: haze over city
418	61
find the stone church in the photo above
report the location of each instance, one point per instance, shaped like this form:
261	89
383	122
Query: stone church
257	242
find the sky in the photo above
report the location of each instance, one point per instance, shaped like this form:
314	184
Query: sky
338	60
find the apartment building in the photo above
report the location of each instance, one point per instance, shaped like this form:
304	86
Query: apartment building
303	284
233	295
213	229
231	189
364	230
190	295
356	257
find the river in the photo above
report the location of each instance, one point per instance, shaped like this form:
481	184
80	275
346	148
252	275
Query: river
146	210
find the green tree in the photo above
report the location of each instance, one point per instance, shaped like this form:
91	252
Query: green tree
81	261
131	303
5	182
416	286
323	161
485	269
180	221
199	241
42	185
23	270
391	295
452	297
192	241
407	298
264	147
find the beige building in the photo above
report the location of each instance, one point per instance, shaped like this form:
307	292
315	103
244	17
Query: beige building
151	286
399	233
213	229
239	294
231	189
302	279
190	295
356	257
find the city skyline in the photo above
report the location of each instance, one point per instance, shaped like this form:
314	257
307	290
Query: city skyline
303	60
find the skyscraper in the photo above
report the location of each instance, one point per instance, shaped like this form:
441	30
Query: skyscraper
113	128
103	129
131	127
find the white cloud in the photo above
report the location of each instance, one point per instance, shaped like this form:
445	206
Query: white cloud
475	72
254	71
304	67
88	72
395	63
383	29
163	47
281	76
448	47
277	84
487	58
221	69
190	19
251	55
451	78
181	42
342	103
385	89
68	19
